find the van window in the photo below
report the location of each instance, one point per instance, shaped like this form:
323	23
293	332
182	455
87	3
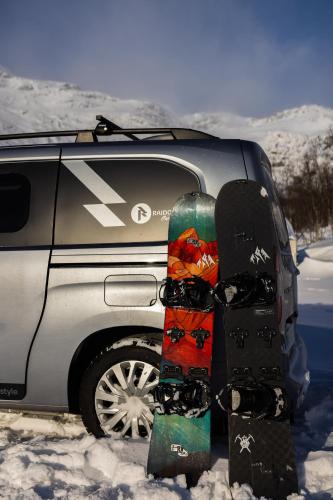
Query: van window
14	202
27	197
118	201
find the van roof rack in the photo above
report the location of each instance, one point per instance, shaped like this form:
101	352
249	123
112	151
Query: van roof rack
107	127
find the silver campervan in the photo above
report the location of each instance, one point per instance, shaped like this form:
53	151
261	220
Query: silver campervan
83	230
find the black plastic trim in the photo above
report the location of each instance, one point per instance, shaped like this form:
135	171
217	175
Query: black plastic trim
111	245
12	391
25	247
58	265
84	245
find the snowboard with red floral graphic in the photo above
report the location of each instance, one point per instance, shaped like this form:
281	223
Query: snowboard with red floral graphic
179	444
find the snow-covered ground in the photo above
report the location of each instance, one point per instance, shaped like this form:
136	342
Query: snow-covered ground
316	305
53	457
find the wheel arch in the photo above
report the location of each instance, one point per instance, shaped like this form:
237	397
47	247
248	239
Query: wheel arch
113	338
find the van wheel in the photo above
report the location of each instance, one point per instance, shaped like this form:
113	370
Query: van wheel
116	392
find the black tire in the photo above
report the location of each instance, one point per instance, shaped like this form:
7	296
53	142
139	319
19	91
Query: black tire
97	368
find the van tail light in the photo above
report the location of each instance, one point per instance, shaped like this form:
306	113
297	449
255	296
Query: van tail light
279	309
277	261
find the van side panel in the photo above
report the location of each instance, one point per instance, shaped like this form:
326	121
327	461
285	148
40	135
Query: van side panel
77	307
23	278
26	231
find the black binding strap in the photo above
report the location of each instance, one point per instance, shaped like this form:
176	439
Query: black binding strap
190	398
243	289
188	293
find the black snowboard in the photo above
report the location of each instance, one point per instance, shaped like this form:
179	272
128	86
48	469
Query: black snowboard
261	449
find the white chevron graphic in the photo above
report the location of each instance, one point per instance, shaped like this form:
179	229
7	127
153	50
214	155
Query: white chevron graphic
101	189
104	215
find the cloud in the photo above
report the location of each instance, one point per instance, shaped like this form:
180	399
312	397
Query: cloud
190	55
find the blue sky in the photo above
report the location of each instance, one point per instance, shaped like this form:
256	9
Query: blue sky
252	57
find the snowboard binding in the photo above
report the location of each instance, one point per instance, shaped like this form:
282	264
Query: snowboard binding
254	400
188	293
189	399
243	289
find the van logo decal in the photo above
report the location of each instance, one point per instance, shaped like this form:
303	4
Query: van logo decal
101	189
141	213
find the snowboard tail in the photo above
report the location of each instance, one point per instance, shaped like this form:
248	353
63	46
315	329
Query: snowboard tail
180	441
260	442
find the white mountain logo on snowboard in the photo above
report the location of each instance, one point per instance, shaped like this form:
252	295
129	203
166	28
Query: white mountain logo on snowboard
244	442
259	255
205	261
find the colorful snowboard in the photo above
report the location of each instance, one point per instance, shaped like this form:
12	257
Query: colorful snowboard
260	442
181	444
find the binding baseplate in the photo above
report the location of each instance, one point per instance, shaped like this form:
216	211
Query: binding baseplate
190	398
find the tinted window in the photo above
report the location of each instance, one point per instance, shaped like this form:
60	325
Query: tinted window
279	218
118	201
27	196
14	202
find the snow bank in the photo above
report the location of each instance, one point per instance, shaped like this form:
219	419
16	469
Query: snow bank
319	472
316	280
315	321
315	444
321	250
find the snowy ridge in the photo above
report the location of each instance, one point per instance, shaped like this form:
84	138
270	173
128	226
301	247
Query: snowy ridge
285	136
35	105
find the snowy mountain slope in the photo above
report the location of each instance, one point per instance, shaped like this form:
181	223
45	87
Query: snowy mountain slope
285	135
33	105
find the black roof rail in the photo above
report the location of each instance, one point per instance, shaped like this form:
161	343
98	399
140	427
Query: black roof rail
106	127
80	135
